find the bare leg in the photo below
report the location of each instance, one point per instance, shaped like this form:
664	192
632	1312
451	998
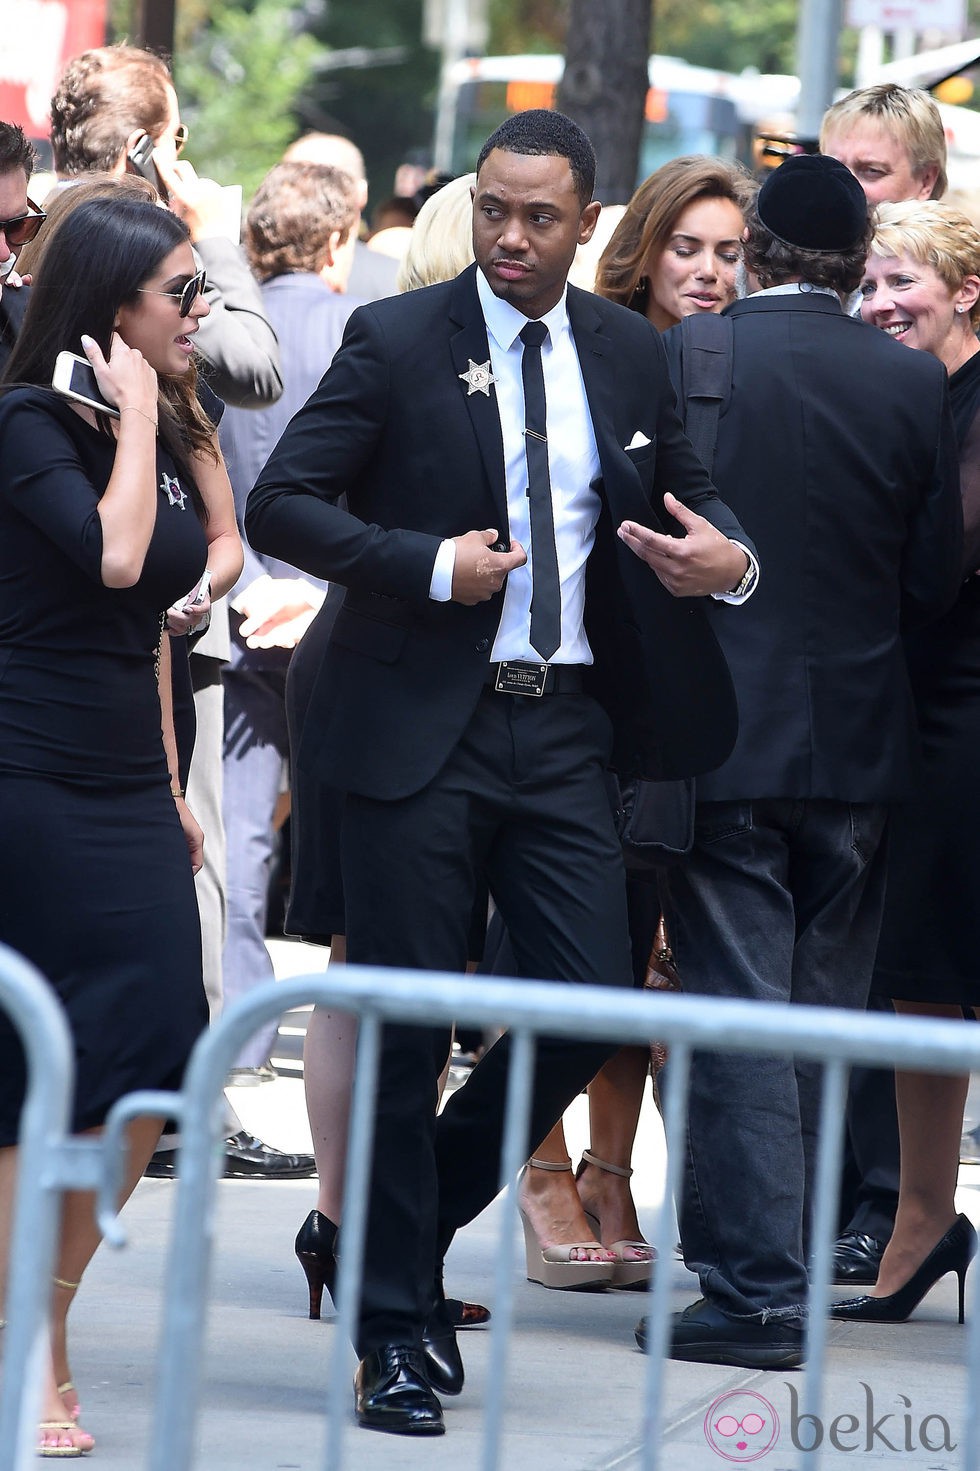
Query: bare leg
328	1077
930	1120
8	1184
615	1098
551	1202
80	1237
53	1408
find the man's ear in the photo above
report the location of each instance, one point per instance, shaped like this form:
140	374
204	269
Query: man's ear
330	249
588	222
926	181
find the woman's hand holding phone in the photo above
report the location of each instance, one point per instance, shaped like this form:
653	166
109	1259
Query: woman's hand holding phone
126	378
194	611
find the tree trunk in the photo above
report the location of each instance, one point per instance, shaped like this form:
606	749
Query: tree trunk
604	87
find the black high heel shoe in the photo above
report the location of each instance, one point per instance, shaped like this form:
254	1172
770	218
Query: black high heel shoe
952	1253
316	1241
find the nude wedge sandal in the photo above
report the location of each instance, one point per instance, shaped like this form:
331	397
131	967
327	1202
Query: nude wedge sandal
554	1266
633	1276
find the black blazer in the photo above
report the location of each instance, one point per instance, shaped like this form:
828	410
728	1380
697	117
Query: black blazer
13	305
836	447
392	428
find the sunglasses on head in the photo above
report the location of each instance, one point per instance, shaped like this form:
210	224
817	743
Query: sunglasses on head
186	296
22	228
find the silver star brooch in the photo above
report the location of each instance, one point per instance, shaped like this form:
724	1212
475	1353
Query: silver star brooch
479	378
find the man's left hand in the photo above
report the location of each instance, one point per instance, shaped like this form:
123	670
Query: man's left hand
700	562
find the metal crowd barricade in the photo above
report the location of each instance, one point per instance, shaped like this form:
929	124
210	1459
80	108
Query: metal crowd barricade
838	1039
50	1162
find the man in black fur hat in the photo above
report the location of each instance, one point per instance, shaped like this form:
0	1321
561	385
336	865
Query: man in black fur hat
836	448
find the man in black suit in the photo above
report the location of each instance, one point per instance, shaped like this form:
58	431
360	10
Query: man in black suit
19	222
472	695
837	448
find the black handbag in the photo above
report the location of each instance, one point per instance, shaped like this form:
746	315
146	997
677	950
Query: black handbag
655	822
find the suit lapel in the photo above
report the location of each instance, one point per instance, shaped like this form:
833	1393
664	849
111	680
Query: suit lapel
595	359
467	346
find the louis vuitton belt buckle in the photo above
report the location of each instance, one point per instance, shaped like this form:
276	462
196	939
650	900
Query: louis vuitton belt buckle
517	678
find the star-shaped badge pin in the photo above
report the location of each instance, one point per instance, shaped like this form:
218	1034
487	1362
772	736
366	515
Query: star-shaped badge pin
479	378
171	488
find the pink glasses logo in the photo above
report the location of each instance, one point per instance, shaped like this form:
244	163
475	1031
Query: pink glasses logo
741	1426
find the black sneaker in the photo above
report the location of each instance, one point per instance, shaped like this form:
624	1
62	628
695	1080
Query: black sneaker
703	1334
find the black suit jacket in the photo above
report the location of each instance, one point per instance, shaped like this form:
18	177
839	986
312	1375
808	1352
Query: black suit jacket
393	429
13	305
837	448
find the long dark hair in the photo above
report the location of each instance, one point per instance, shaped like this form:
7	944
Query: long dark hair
95	261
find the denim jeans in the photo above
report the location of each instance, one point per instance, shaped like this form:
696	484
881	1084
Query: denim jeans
780	901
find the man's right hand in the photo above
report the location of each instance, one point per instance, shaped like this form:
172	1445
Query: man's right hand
200	203
479	573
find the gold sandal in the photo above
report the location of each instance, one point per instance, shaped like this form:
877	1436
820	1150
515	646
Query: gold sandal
627	1275
554	1266
62	1452
76	1410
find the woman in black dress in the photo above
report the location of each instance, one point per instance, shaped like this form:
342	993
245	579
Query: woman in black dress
922	286
104	523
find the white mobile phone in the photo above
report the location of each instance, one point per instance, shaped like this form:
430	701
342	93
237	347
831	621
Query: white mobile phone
200	592
75	378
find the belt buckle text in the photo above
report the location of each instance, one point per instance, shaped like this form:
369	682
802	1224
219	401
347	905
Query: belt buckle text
521	679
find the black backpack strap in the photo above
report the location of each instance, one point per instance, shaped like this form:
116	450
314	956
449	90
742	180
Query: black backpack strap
706	345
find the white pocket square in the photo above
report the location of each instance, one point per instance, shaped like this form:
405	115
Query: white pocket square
638	441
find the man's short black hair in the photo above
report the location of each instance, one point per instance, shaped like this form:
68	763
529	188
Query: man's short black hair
539	131
16	150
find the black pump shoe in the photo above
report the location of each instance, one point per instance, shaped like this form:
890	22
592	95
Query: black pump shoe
391	1392
316	1241
952	1253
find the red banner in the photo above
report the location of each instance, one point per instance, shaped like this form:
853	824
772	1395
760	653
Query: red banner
37	38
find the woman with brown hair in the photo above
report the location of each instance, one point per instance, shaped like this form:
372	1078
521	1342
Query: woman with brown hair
677	249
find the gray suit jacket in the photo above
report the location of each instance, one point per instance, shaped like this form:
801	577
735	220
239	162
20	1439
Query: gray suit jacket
235	339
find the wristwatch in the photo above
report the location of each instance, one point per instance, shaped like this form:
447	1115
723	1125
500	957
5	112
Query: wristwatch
747	582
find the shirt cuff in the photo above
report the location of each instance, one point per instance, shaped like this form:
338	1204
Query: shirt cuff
749	586
441	584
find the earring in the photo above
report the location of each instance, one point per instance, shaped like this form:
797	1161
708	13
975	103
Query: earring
641	291
961	309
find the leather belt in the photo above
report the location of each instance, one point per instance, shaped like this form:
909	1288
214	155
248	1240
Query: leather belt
519	677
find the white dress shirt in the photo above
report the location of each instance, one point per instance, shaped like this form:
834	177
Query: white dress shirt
573	462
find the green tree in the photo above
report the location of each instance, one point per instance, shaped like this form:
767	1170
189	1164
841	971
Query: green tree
384	95
239	70
517	26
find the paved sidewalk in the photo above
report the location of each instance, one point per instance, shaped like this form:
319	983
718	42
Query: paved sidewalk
575	1380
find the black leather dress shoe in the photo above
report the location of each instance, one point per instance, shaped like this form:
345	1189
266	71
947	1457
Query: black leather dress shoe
162	1165
248	1158
391	1392
443	1362
856	1259
703	1334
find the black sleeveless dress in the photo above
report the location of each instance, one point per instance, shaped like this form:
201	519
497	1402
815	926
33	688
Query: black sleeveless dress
929	949
95	882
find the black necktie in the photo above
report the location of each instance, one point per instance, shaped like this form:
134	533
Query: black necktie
546	587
